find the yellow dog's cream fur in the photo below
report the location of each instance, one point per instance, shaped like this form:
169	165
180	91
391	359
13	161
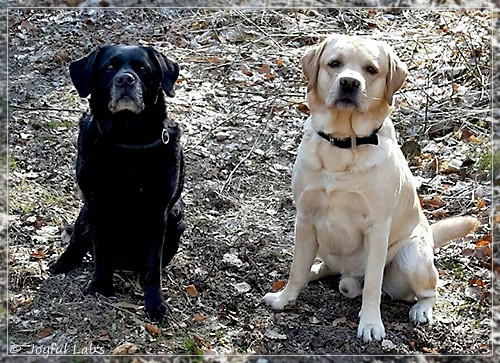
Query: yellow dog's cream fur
357	209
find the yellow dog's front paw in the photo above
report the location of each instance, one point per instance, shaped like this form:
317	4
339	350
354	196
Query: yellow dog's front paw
371	330
278	300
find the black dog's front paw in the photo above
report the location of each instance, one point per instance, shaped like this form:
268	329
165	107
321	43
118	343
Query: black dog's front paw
155	305
97	287
65	263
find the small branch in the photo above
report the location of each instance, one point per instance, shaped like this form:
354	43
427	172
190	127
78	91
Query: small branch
45	109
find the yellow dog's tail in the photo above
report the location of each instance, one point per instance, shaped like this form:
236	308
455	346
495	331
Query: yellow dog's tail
452	228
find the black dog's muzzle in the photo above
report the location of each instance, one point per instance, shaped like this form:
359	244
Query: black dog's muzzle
126	93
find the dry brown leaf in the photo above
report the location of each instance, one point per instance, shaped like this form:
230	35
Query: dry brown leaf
280	63
125	348
482	243
265	69
191	290
476	281
45	332
246	71
104	336
304	108
38	254
199	318
153	330
434	201
278	285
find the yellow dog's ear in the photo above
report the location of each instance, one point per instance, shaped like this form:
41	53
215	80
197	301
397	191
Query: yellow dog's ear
396	75
310	63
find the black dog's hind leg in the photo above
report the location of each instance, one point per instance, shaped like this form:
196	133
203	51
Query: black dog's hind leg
80	244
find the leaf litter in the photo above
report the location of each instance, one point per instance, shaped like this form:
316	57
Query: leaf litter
241	104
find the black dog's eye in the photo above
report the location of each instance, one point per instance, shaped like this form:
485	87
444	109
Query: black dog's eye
372	70
334	64
110	68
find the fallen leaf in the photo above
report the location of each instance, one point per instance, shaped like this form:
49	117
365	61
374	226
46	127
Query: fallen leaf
304	108
434	201
153	330
280	63
476	281
125	348
429	350
338	321
191	290
62	56
199	318
104	336
278	285
481	204
265	69
246	71
38	254
45	332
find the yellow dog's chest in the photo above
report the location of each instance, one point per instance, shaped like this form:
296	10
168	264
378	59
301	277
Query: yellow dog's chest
340	218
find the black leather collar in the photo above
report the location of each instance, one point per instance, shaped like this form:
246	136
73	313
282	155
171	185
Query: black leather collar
162	140
351	142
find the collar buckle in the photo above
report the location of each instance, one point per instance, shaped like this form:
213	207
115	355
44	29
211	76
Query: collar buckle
353	142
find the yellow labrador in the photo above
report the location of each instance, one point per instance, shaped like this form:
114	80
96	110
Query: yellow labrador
357	207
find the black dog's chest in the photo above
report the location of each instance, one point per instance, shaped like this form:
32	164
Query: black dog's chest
135	174
128	180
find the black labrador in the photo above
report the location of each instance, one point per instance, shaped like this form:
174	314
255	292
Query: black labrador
130	170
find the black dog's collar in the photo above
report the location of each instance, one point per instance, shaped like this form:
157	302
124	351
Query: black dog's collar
163	140
351	142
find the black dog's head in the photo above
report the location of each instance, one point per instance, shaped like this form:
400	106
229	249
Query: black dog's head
124	78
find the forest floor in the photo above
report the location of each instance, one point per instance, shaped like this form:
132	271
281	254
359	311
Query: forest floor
240	101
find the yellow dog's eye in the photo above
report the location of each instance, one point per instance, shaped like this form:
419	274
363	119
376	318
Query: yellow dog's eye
334	64
372	70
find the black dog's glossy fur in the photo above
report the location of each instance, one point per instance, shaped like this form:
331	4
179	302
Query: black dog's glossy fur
129	170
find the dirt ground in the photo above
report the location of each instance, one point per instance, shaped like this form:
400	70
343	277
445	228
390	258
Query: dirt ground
240	101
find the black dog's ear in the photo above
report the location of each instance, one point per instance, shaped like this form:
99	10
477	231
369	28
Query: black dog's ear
169	70
81	71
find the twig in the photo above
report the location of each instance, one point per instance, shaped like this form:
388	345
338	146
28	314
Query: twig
45	109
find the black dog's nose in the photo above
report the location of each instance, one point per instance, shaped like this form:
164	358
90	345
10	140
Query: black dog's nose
349	83
125	78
